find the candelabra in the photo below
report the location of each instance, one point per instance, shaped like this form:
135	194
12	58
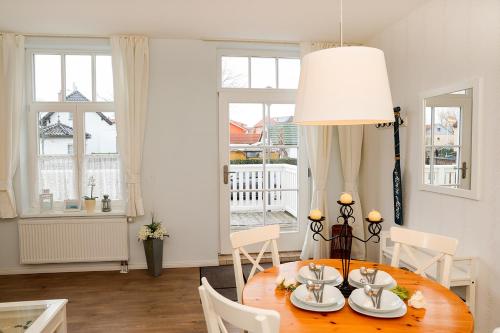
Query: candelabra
343	241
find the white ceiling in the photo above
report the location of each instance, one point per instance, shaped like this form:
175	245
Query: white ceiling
277	20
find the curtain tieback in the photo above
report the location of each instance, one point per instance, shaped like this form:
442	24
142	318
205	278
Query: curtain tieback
350	186
5	185
134	179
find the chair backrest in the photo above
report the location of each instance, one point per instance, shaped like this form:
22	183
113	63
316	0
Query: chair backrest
218	308
496	330
445	247
268	234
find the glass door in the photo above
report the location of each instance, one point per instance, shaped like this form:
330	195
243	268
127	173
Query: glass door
262	179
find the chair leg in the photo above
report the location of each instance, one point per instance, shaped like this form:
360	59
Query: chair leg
470	297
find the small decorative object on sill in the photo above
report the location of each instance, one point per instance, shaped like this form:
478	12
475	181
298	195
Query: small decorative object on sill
71	205
90	200
46	200
152	236
342	241
106	203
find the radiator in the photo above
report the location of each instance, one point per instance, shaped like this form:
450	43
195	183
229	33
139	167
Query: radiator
64	240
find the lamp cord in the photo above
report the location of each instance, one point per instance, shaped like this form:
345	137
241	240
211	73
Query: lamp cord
341	25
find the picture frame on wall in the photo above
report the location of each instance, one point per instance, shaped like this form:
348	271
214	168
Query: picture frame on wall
72	205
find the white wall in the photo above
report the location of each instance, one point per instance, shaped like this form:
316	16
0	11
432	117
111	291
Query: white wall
180	164
443	42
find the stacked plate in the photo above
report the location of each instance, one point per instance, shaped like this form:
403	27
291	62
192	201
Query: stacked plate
391	306
382	280
331	276
304	299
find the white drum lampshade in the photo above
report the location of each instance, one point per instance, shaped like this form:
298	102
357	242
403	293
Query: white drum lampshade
344	86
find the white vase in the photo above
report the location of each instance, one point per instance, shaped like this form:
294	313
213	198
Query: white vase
90	205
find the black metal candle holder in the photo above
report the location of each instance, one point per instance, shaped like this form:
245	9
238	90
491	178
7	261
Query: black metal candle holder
343	241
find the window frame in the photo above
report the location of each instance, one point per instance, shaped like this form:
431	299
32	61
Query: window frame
254	53
474	192
78	111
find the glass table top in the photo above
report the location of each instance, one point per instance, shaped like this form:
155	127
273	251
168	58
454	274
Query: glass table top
18	320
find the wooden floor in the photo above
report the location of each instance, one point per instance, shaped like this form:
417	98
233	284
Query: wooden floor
113	302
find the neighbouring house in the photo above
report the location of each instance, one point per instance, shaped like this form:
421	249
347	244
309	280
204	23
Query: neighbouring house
56	130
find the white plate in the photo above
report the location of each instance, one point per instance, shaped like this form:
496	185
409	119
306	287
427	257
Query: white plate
394	314
389	302
359	285
337	282
330	274
336	307
382	279
331	296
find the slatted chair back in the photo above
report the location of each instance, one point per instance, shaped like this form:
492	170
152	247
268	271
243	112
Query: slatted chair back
218	309
267	235
445	247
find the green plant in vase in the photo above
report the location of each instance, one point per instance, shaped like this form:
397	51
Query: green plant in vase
90	201
152	236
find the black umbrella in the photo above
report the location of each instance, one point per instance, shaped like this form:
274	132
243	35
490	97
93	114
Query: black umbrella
396	174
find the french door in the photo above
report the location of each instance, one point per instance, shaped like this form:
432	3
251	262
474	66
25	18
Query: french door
263	175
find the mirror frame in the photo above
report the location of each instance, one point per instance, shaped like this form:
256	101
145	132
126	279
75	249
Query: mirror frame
474	192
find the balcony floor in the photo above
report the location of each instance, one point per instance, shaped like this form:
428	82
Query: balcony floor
244	220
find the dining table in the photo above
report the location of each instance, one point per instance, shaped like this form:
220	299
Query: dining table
444	311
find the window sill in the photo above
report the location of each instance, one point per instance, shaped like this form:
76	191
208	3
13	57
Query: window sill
79	213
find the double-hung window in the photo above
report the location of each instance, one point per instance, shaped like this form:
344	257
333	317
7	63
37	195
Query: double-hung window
72	124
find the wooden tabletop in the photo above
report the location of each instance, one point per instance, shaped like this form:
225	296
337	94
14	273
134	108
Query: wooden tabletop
444	312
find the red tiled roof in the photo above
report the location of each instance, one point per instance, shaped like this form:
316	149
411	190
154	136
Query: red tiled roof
244	138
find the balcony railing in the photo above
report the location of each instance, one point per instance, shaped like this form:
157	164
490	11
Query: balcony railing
247	192
444	175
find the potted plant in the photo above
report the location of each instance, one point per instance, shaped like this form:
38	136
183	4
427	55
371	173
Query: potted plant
90	200
152	236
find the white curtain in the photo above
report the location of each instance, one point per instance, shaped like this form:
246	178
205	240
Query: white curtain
318	143
58	174
11	104
351	141
106	170
131	85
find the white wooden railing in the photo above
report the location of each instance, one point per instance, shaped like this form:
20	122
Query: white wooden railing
248	177
446	175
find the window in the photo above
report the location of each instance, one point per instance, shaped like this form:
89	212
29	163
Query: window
259	72
73	124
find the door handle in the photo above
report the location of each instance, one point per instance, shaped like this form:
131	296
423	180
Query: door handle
225	173
464	170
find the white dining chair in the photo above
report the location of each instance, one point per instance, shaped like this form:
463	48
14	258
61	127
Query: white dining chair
218	309
496	330
445	247
267	235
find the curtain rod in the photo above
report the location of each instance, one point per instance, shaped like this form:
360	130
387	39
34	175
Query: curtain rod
202	39
250	41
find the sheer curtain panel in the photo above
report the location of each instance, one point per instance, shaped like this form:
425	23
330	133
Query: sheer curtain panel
131	85
318	143
11	105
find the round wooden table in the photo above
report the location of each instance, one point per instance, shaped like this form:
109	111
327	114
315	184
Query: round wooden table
444	312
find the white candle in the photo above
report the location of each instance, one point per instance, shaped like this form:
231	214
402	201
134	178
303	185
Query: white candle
315	214
374	216
346	198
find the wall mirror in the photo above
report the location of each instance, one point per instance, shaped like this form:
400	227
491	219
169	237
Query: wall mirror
449	147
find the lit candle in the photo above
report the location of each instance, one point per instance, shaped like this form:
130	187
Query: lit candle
374	216
315	214
346	198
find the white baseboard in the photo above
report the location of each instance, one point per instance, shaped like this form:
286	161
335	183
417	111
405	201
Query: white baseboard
93	267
